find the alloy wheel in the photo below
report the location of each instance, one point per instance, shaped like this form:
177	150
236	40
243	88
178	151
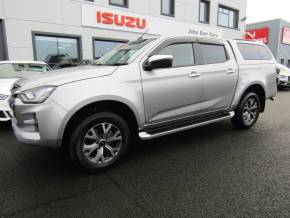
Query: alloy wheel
250	111
102	144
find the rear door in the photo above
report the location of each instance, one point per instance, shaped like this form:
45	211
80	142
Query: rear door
219	73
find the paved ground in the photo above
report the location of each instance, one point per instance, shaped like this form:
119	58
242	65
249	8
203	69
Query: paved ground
214	171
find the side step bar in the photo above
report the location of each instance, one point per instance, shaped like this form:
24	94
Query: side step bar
146	136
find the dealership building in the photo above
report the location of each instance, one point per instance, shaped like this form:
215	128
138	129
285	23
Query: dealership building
86	29
274	33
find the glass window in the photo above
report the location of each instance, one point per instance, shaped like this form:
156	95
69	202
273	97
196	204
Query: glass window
254	52
17	70
204	9
101	47
124	54
228	17
167	7
213	54
123	3
183	54
58	52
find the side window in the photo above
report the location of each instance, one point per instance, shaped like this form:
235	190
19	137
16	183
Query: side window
182	54
213	54
254	52
265	53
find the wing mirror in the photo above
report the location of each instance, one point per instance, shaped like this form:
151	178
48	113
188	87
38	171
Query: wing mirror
158	61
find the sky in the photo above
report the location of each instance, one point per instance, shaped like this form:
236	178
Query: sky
260	10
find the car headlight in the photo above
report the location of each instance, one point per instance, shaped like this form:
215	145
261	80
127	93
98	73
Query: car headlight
37	95
3	97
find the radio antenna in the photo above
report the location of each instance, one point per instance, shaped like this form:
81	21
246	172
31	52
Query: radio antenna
143	34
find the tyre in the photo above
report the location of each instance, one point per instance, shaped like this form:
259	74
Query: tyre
99	141
248	111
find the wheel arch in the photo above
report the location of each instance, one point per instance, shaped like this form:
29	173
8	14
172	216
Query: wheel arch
114	106
259	90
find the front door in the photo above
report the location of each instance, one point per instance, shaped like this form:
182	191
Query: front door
175	92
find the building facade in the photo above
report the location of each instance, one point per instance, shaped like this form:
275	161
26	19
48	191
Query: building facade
73	30
276	34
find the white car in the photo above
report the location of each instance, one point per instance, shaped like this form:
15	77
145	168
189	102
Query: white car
10	72
283	76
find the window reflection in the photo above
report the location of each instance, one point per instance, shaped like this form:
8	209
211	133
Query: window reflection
102	47
228	17
58	52
167	7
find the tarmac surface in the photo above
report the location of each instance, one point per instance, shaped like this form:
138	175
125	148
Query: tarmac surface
213	171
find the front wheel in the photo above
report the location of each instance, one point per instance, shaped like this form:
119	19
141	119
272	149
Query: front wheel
248	111
99	141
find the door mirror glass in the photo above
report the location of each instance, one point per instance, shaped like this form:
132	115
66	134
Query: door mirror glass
158	61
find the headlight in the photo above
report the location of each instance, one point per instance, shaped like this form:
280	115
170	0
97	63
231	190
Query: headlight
36	95
3	97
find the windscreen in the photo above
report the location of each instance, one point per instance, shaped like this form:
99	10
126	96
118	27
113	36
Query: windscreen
123	54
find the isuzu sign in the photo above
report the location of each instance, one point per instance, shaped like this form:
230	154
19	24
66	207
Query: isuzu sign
261	35
125	20
121	20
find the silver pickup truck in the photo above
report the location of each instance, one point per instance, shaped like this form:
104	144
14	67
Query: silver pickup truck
148	88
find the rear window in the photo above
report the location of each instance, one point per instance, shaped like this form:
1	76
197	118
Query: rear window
254	52
213	54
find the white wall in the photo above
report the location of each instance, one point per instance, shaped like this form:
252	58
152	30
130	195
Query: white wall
64	16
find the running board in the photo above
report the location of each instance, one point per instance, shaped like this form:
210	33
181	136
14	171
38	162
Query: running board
147	136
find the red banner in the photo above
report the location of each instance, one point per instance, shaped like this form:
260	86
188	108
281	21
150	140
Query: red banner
261	34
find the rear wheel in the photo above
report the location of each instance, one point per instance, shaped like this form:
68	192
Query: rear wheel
99	141
248	111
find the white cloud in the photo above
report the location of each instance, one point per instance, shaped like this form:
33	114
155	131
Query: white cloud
260	10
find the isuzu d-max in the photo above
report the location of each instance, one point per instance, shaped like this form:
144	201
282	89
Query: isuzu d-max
147	88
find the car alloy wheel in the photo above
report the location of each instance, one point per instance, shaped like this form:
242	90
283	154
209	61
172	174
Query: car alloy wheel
102	144
250	111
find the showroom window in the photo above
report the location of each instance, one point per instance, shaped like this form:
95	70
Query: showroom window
182	53
101	46
212	54
167	7
121	3
57	51
228	17
204	11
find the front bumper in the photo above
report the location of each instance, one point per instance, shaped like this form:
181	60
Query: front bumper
284	82
38	124
5	111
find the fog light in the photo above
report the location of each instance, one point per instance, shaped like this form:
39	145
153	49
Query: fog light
30	120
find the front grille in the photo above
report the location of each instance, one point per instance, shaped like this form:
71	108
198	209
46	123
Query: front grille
2	115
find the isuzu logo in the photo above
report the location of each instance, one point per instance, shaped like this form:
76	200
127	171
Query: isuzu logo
121	20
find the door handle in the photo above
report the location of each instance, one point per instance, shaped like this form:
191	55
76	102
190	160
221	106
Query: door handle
194	75
231	71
